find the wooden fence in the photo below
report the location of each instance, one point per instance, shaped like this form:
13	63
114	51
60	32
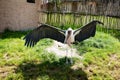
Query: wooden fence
74	19
77	19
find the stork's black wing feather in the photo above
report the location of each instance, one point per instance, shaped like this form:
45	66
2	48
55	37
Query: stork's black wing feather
86	31
44	31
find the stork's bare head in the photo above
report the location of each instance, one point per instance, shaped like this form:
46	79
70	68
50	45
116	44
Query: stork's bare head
69	31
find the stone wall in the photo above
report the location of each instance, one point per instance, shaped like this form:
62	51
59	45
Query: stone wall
18	14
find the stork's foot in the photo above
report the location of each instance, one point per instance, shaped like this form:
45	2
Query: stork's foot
68	60
71	61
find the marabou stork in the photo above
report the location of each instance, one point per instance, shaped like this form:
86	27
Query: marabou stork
68	36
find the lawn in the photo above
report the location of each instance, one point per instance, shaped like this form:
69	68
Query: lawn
101	59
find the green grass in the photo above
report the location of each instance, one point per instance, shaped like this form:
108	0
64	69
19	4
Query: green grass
101	59
101	56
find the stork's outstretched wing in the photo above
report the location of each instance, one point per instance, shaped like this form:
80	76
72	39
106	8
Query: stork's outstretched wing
86	31
44	31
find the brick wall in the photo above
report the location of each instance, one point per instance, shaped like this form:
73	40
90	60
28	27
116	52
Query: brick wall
18	14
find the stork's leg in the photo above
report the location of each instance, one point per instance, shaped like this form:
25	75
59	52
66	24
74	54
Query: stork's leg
66	58
71	60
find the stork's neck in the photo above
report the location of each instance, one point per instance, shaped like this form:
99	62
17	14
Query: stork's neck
69	33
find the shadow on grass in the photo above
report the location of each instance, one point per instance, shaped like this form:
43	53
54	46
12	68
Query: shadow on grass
13	34
57	70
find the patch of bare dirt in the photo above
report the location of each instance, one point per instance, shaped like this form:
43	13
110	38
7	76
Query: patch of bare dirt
111	66
4	71
114	66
